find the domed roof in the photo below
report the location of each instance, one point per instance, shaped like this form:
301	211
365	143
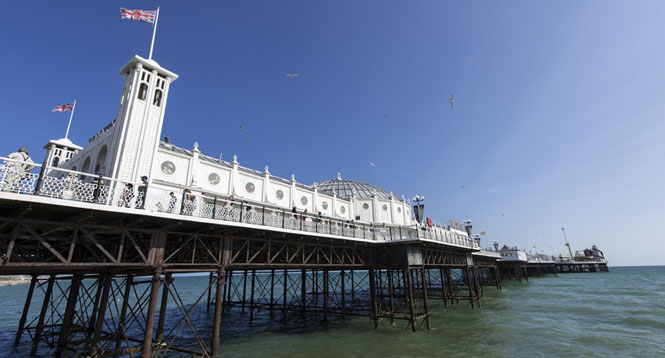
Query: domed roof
344	188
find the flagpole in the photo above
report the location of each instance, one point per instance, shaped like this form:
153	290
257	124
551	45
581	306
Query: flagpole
70	119
154	31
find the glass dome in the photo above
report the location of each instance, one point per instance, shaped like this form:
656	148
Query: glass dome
344	188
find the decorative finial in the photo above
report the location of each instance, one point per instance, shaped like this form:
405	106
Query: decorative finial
266	170
339	175
196	146
293	177
235	159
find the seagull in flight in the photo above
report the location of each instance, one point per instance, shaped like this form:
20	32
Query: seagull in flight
372	164
292	75
451	100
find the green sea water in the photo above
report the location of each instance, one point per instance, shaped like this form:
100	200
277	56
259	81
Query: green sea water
615	314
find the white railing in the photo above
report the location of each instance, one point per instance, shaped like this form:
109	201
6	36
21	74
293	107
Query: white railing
71	185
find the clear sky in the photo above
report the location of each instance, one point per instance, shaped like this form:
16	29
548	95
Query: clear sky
558	118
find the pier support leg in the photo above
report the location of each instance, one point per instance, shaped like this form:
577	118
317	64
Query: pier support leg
303	290
217	321
68	317
244	290
229	289
325	294
42	315
285	293
101	315
443	288
129	282
425	303
209	292
412	306
159	337
342	278
26	308
391	296
251	297
469	283
372	290
146	351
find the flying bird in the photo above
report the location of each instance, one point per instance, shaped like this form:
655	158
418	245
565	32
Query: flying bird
385	116
246	141
292	75
372	164
462	186
240	127
451	100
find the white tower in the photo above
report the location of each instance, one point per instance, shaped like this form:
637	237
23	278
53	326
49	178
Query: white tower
136	133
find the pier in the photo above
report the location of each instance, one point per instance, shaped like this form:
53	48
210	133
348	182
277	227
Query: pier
106	230
107	271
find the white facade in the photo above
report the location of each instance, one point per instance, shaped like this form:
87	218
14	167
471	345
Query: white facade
129	148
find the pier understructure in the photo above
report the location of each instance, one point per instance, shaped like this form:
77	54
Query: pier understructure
108	276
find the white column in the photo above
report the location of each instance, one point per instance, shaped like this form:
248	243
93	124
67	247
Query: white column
266	183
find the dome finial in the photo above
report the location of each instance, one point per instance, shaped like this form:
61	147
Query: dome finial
339	175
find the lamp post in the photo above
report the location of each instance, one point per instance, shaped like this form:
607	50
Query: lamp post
419	208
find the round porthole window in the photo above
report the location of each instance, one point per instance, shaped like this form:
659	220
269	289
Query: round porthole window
279	194
303	200
385	207
324	205
168	167
342	209
213	178
399	210
365	206
249	187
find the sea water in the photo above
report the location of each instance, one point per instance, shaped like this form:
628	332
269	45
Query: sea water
615	314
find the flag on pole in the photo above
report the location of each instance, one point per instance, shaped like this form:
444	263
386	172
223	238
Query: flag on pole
64	108
139	15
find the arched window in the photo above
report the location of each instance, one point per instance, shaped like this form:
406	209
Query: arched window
143	91
157	101
86	165
101	160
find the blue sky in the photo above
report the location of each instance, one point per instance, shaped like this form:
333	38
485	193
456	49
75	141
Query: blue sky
558	118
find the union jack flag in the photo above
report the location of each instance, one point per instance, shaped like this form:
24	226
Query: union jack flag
140	15
64	108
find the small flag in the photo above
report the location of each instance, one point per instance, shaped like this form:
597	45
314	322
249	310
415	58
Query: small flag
139	15
64	108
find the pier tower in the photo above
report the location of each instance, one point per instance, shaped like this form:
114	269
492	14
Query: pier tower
126	147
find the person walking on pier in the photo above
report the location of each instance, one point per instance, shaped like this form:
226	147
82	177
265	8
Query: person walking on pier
127	195
16	170
173	200
140	199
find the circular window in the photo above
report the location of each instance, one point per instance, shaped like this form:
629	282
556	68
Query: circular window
303	200
213	178
342	209
399	210
385	207
324	205
249	187
365	206
279	194
168	167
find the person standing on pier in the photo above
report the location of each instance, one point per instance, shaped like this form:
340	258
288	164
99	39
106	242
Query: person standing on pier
16	170
140	200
